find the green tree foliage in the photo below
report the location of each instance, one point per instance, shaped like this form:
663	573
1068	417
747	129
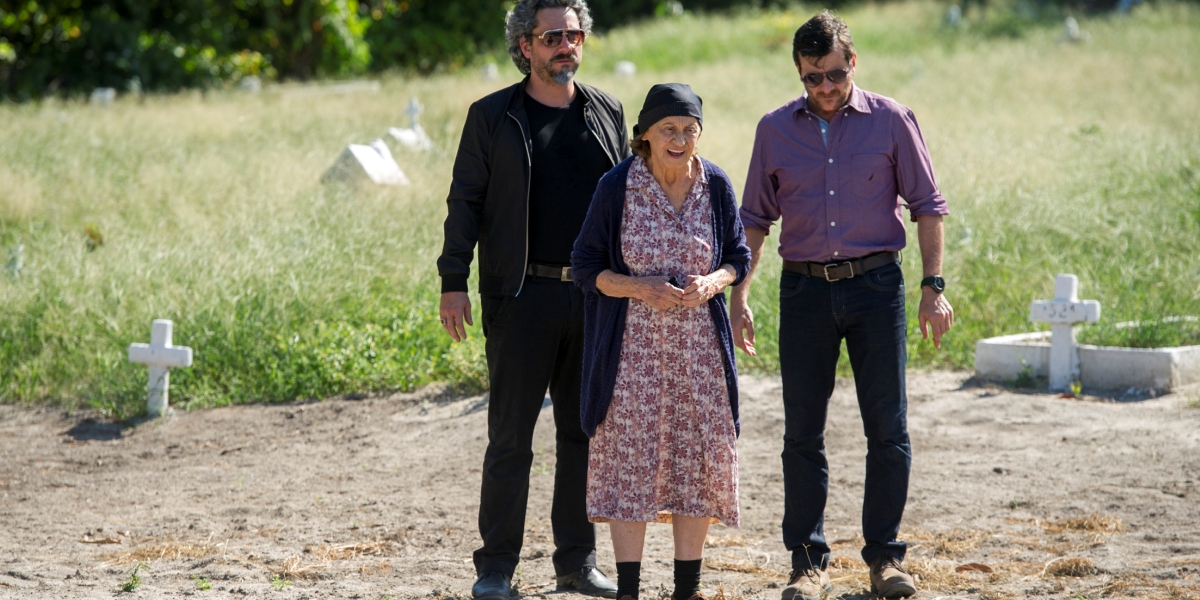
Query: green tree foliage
426	34
63	46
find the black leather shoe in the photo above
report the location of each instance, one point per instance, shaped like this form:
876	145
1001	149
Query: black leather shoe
492	585
589	581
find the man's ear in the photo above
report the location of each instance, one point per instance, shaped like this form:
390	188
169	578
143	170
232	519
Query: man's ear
853	60
526	49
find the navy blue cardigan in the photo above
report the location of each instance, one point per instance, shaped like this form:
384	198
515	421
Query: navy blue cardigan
598	248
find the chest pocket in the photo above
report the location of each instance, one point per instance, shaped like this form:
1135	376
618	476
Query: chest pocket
874	175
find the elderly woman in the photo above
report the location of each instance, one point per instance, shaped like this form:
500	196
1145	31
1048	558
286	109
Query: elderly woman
661	241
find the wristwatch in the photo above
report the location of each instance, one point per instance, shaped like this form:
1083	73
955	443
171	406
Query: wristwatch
935	282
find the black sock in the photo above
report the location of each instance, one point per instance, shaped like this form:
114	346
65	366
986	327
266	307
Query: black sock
629	579
687	578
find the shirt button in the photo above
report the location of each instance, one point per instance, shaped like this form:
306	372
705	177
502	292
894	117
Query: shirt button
830	192
833	223
831	160
835	253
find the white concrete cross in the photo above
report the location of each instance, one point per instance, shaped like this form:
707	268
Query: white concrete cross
161	356
414	111
412	136
1063	313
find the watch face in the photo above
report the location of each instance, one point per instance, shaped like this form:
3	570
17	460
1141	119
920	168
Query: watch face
936	283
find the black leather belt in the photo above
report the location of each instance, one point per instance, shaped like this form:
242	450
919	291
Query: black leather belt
837	271
549	272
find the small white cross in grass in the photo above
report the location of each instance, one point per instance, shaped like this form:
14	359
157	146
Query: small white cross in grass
161	356
1063	313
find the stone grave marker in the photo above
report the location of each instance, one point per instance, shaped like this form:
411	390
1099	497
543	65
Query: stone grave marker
1063	313
161	356
103	97
360	164
412	136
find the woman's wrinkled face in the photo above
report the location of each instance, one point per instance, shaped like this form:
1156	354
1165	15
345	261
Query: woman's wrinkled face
673	141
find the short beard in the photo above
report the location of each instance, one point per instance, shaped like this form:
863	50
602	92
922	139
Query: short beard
546	72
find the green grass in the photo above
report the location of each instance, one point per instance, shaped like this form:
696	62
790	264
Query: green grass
1160	333
1054	158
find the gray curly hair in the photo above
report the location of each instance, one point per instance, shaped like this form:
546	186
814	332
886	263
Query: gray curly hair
522	19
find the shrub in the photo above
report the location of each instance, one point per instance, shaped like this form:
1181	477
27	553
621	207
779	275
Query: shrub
67	46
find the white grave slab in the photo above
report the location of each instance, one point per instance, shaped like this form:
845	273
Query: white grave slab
103	97
1063	313
490	72
251	84
371	163
161	356
412	136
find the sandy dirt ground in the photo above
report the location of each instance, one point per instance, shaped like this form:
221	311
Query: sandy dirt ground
1013	495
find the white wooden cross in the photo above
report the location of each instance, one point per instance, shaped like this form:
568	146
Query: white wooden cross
1063	313
161	356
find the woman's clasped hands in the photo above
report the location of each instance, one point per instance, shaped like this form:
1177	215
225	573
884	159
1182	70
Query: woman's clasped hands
660	294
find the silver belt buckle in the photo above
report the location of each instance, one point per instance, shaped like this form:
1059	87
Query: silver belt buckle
566	274
836	265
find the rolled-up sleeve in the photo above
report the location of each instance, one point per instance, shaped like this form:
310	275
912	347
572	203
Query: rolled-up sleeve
914	169
760	206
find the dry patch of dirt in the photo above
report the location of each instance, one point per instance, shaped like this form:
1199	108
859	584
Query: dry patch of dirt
1013	495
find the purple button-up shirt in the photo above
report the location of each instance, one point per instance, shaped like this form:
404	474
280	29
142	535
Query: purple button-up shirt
843	200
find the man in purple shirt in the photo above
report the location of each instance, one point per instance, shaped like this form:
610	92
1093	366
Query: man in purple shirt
838	165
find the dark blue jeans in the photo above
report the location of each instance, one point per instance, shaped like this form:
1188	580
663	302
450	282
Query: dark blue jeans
814	317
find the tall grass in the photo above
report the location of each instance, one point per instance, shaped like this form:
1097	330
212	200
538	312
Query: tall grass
1054	157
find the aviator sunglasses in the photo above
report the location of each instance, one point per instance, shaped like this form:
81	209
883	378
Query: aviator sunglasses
554	37
836	77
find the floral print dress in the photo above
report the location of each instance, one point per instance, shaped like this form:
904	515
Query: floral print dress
668	444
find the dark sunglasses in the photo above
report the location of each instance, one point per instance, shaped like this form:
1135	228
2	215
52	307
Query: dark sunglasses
836	76
554	37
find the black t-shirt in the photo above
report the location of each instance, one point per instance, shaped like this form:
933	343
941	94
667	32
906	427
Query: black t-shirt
568	162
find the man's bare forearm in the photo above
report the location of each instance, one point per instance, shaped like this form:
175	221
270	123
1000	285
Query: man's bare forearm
754	239
930	236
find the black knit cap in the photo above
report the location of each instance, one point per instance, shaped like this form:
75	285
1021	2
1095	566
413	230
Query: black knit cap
668	100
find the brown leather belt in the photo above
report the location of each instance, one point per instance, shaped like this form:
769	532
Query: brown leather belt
549	272
837	271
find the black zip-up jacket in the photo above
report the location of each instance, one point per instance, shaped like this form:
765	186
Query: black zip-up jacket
489	196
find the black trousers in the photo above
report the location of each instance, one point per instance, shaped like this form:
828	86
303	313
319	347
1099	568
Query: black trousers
534	340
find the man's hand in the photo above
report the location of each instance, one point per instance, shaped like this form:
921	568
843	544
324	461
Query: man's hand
454	311
742	320
935	313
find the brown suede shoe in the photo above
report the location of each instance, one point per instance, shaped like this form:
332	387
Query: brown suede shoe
808	584
890	580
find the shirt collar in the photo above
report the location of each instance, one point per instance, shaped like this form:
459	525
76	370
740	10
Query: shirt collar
857	101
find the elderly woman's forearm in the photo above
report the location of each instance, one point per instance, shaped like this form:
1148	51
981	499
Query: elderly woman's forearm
724	276
615	285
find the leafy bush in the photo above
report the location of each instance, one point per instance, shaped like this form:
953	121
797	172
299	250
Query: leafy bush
426	34
64	46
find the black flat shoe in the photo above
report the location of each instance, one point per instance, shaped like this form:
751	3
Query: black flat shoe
589	581
492	585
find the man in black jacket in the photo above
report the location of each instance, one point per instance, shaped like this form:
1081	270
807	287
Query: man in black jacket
526	169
